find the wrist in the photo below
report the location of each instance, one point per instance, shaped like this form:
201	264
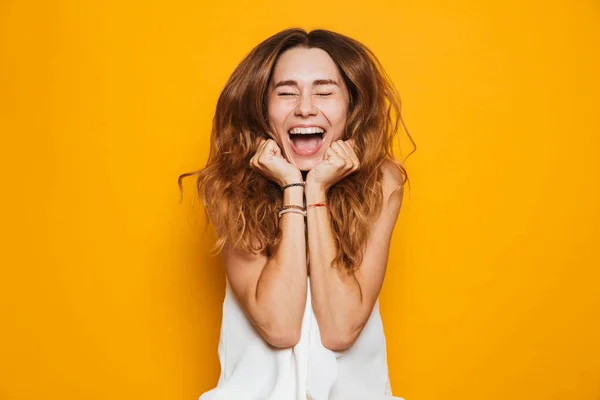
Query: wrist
290	180
315	193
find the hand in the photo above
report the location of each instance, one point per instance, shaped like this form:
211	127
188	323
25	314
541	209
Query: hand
340	161
269	161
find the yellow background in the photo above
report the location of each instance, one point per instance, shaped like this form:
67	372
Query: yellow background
108	290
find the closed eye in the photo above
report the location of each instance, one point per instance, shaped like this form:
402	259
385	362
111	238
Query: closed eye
287	94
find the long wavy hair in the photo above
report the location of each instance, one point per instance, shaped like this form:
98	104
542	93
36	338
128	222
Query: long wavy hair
241	203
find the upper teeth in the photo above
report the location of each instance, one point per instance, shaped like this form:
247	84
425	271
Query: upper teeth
306	131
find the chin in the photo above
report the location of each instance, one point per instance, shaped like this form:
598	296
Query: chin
306	164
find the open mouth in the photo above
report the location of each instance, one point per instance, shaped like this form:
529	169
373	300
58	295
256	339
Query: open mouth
306	141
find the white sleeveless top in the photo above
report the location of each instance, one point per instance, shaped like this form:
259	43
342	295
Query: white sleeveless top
253	370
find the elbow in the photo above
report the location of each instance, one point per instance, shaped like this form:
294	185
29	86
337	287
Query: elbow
338	341
281	337
277	328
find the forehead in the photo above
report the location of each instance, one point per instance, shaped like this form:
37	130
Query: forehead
302	64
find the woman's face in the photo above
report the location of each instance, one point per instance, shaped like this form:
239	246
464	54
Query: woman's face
307	105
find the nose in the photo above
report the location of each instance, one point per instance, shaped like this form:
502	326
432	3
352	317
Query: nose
305	106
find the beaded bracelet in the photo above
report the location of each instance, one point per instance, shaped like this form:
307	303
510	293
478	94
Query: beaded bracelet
291	206
293	184
291	210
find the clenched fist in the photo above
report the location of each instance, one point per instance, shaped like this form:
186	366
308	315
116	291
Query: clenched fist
269	161
339	161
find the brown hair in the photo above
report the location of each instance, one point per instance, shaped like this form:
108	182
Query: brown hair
242	203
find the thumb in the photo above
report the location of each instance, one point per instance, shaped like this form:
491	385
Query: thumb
273	149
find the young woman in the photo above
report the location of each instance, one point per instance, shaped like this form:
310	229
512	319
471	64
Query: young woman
304	192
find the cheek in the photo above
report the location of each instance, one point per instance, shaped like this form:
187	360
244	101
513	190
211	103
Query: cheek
274	123
278	113
336	113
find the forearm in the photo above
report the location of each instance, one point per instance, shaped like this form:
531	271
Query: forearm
336	295
281	288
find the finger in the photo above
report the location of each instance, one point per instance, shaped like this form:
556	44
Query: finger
265	154
254	161
351	153
334	158
263	144
259	141
273	149
269	150
330	153
258	153
337	147
342	148
262	149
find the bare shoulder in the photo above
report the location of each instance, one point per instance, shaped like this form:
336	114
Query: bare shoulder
392	181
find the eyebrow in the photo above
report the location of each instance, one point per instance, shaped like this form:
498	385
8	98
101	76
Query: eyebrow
315	83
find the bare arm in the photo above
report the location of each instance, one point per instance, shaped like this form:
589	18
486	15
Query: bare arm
343	303
272	290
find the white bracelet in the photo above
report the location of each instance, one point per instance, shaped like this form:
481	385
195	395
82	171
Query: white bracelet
291	210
